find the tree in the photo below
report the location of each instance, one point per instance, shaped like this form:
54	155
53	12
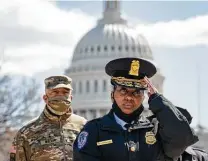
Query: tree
19	101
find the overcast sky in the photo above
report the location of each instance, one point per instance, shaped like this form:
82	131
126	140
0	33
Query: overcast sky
38	38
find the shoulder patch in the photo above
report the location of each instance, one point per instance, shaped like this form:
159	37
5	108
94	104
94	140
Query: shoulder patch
82	139
13	149
29	124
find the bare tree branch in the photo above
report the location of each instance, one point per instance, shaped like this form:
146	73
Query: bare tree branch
18	103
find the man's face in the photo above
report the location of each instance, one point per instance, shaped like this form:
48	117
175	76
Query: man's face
128	99
56	92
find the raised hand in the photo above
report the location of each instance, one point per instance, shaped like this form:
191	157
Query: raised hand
150	87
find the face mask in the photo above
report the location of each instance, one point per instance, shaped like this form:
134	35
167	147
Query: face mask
59	105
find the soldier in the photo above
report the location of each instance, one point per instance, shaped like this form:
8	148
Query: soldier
125	133
50	137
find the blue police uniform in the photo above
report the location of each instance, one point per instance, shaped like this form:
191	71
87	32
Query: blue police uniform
110	138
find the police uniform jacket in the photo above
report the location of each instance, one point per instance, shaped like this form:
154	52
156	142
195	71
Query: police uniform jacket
144	140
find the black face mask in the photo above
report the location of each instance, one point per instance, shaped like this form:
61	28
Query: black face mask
127	117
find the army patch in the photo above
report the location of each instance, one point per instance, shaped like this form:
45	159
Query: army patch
82	139
150	138
13	149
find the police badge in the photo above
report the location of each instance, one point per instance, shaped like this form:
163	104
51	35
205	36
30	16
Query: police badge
82	139
150	138
134	69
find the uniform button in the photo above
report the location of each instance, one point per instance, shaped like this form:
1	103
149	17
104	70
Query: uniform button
133	148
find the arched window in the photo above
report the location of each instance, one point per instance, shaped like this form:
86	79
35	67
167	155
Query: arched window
119	48
96	86
139	49
83	113
74	88
98	48
127	48
92	49
87	86
133	48
93	114
80	87
75	111
81	51
104	86
112	48
105	48
86	49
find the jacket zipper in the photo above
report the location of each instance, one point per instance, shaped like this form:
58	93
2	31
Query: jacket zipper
62	139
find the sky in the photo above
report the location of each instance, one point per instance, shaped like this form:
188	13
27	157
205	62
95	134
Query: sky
38	38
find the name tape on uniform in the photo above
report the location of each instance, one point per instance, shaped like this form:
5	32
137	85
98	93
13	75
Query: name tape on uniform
104	142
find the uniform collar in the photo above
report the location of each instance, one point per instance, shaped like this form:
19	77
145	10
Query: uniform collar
108	122
120	121
54	118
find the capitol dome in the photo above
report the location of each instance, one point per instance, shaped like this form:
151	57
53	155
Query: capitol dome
111	38
117	40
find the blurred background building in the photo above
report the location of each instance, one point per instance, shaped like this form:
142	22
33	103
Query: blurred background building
111	38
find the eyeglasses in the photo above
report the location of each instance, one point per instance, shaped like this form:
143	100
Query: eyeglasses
124	92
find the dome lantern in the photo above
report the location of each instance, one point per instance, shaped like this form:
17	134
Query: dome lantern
111	14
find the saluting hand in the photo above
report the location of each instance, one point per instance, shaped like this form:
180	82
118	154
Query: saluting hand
150	87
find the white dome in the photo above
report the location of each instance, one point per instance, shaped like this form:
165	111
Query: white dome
117	39
111	38
106	42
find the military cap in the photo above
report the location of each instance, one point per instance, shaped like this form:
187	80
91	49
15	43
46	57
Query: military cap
129	72
61	81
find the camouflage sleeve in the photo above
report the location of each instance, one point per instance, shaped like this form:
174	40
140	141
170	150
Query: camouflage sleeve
17	151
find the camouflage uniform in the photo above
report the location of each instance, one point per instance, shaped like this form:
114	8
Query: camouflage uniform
48	138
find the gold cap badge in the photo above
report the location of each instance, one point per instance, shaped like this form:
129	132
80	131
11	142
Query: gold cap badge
134	69
150	137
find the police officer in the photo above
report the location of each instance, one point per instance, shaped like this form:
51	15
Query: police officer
125	134
50	137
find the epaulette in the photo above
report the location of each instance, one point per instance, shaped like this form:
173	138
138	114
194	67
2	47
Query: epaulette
76	119
153	120
28	125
